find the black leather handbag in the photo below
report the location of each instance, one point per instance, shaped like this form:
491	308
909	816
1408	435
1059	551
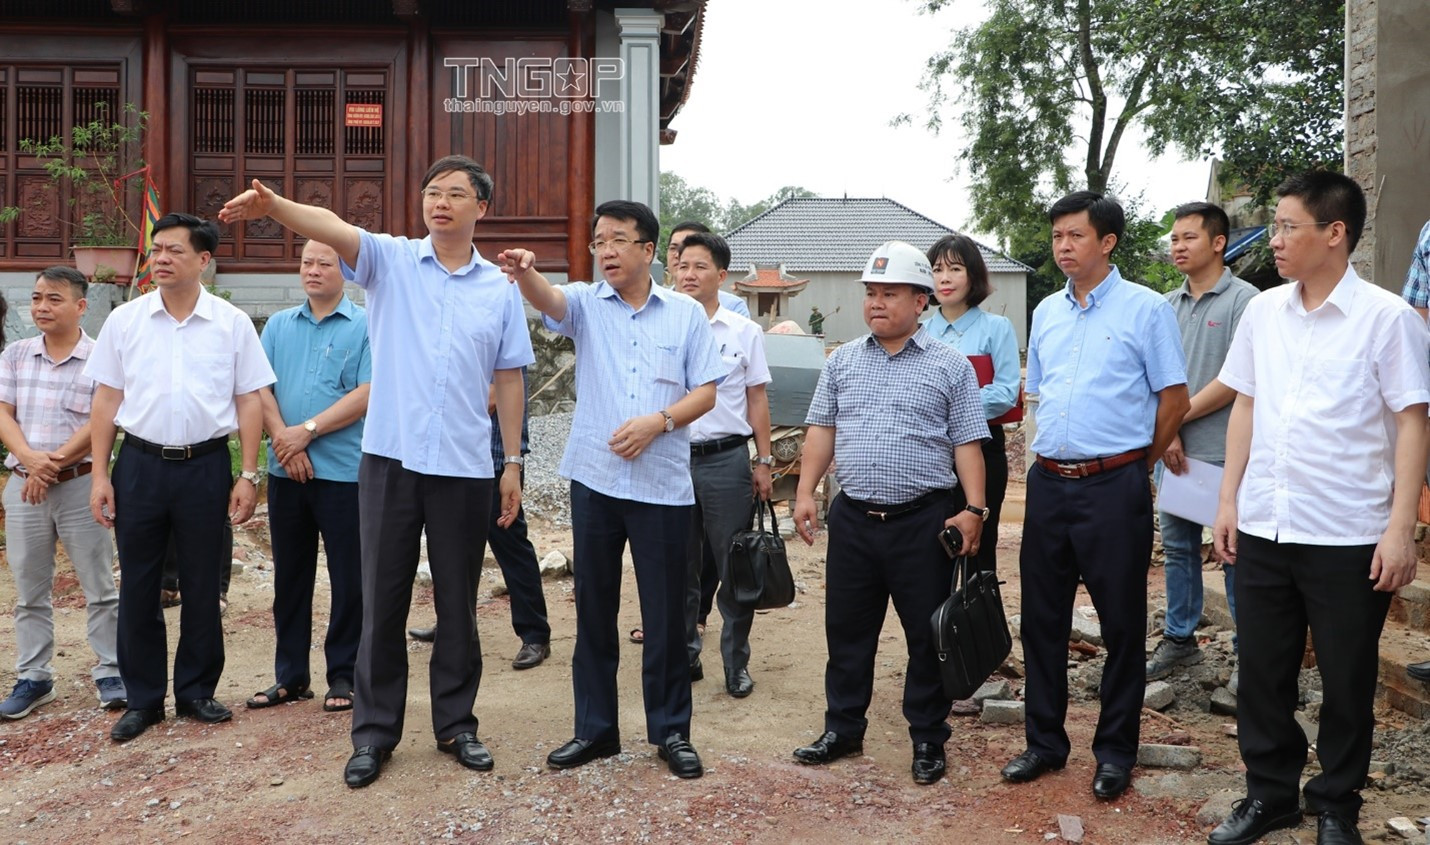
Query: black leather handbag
759	567
970	631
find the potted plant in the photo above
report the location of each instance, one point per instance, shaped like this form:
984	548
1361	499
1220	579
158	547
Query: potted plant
95	161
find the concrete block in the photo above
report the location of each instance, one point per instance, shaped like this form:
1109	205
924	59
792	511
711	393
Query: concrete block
1086	630
995	690
1169	756
1070	828
1002	712
1159	695
1223	701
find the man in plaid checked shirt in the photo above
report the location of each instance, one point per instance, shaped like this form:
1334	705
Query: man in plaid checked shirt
1417	293
44	422
901	413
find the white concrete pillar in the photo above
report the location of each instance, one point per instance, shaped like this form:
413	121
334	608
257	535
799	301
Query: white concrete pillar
639	134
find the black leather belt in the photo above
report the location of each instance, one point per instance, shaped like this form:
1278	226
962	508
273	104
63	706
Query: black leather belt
710	447
884	513
176	453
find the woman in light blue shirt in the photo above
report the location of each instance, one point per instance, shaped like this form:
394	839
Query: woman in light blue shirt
960	284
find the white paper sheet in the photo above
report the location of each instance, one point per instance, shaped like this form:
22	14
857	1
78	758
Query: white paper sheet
1193	494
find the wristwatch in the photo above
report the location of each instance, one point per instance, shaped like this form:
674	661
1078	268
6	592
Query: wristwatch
514	459
669	420
250	477
311	426
766	461
982	512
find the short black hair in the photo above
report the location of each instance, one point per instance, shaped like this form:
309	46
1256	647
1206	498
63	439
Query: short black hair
60	275
1330	197
690	226
1214	219
476	174
961	249
719	249
1105	214
647	226
203	234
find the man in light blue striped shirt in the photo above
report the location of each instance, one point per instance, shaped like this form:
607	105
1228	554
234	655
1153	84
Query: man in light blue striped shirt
646	367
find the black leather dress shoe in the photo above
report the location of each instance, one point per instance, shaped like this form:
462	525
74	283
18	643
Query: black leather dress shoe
1336	829
364	766
134	723
1029	766
579	752
1419	671
929	763
203	709
531	655
1111	780
425	635
1250	820
680	756
829	748
739	684
697	671
469	751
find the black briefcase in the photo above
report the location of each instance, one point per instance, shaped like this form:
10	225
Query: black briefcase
759	567
970	631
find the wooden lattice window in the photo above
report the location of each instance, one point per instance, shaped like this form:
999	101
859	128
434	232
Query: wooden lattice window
38	103
263	120
317	121
213	120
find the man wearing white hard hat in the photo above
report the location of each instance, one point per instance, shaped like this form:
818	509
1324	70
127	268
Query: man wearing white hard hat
901	414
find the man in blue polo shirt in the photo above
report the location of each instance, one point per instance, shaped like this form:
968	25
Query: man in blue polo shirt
445	327
1105	359
313	416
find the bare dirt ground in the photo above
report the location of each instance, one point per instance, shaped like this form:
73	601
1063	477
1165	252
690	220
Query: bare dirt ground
275	775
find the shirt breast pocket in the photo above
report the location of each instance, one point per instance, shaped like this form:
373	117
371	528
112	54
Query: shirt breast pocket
79	397
1334	381
212	376
668	368
338	368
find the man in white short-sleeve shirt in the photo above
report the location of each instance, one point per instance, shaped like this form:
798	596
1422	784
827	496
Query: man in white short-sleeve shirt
179	370
1325	452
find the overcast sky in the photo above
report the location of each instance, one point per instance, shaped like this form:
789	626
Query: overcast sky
801	92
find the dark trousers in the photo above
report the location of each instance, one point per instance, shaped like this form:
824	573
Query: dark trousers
1099	528
1280	589
601	526
869	562
152	499
297	515
225	562
394	506
995	485
724	497
522	573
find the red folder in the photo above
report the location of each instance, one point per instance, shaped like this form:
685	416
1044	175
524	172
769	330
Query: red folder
983	368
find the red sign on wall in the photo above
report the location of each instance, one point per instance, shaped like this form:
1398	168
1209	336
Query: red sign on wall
363	114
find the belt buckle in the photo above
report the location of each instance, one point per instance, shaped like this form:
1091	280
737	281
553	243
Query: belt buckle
882	516
1077	470
174	453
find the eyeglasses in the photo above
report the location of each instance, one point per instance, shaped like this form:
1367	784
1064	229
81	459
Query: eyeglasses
618	244
1283	228
452	197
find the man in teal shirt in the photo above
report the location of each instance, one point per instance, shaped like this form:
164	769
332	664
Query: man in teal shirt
314	419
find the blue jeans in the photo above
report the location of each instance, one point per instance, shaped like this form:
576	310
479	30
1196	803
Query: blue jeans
1182	543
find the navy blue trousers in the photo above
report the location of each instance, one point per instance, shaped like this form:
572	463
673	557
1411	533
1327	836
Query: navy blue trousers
297	515
1099	528
601	526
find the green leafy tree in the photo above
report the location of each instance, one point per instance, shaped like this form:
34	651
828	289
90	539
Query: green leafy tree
681	201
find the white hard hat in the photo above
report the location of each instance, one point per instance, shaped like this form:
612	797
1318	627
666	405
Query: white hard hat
898	263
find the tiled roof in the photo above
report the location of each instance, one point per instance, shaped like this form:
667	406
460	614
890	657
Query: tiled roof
813	235
769	276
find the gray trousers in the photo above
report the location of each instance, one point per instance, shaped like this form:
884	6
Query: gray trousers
724	500
30	534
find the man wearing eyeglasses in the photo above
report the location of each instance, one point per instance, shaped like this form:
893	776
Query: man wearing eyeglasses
444	328
179	370
646	367
1325	453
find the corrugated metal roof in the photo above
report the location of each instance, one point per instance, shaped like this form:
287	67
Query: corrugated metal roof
814	234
